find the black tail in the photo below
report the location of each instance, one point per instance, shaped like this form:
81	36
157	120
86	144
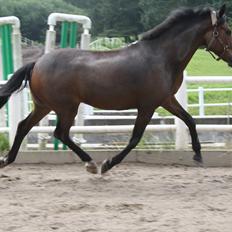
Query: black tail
15	82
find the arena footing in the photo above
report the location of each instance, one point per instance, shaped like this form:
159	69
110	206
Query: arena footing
221	158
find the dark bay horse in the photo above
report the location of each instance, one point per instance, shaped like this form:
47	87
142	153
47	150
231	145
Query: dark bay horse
143	76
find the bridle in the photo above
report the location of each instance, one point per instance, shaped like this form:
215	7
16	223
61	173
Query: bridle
215	37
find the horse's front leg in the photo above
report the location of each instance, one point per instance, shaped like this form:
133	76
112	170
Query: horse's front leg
173	106
143	118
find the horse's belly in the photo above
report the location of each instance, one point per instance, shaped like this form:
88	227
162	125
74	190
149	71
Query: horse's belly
111	102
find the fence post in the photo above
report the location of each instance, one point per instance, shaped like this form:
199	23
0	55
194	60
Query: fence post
22	96
85	39
7	59
83	109
3	111
181	142
3	115
50	39
50	42
16	104
12	60
201	101
85	45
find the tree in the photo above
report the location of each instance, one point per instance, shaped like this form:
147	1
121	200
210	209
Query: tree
112	18
123	18
33	14
155	11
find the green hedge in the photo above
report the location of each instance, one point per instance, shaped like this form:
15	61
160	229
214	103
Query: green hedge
4	144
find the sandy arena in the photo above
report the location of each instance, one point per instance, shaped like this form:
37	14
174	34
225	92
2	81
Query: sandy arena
131	198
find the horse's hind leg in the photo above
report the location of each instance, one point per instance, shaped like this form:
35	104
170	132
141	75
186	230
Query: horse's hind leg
23	128
173	106
143	118
65	121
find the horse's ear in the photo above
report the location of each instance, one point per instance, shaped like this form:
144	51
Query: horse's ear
222	11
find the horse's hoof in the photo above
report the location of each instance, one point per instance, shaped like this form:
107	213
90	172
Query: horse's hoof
105	166
3	162
91	167
198	160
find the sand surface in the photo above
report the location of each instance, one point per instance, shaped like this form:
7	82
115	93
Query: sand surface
131	198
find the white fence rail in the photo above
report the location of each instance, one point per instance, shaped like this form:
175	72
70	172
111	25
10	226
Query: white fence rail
179	127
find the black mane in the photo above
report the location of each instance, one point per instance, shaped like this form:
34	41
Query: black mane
182	14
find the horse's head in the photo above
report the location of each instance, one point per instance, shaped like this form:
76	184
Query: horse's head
218	38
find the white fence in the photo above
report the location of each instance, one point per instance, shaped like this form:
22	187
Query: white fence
201	99
178	127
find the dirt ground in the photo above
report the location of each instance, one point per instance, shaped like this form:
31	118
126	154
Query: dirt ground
131	198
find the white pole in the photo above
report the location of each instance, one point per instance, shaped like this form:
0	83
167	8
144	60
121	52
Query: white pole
125	129
2	111
181	142
16	27
50	39
105	129
83	109
201	101
16	106
85	39
49	46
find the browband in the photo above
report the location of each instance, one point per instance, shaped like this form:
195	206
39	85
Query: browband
214	17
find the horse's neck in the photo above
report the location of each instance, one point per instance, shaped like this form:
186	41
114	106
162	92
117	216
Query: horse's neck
187	42
180	44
